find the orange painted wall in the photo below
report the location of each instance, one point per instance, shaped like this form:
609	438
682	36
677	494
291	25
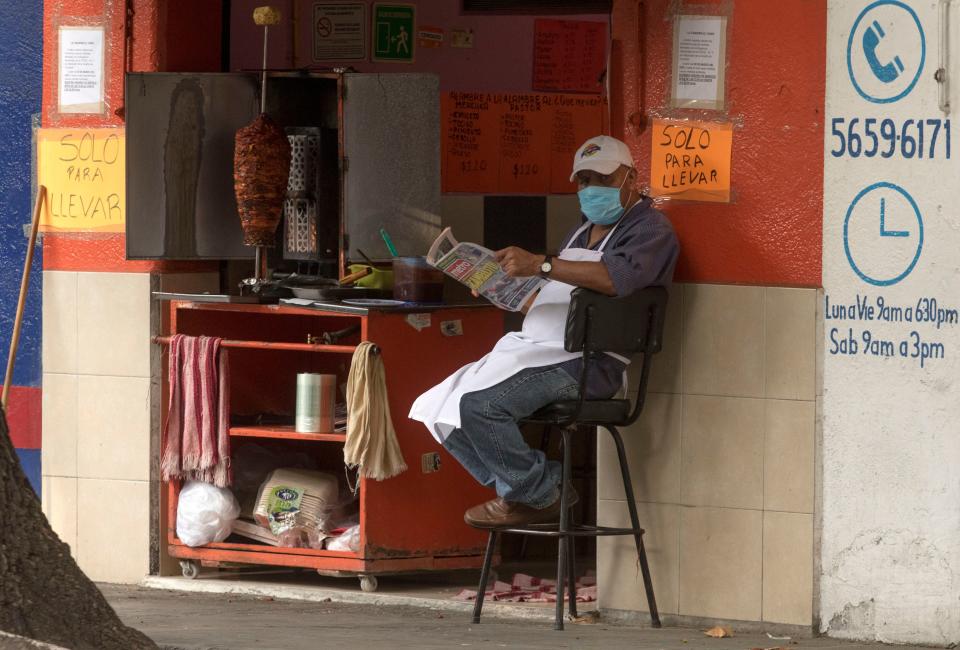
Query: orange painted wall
771	233
136	41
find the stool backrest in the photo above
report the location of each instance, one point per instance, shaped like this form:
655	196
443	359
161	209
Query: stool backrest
625	326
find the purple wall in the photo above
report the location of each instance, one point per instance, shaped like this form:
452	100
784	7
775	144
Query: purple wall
500	60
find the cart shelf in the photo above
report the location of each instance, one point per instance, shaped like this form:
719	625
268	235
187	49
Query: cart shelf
274	345
285	433
276	550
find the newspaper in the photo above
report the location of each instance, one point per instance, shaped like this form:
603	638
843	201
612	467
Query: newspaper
477	267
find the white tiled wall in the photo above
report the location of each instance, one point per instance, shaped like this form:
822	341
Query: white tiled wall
653	444
722	341
722	461
97	378
787	565
722	452
113	529
721	563
113	437
617	556
788	480
59	352
59	502
60	424
789	363
113	312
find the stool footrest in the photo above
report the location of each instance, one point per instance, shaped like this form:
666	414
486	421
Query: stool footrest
553	530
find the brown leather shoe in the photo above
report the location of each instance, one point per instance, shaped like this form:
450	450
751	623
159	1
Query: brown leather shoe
498	513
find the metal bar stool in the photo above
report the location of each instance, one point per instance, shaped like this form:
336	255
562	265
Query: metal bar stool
583	472
595	324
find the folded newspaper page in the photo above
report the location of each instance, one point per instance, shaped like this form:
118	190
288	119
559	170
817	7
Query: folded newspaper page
477	267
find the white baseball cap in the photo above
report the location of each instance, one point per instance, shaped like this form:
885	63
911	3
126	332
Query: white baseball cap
601	154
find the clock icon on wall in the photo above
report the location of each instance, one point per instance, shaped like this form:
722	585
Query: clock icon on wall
883	234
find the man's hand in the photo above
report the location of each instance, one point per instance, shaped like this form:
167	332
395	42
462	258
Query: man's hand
517	262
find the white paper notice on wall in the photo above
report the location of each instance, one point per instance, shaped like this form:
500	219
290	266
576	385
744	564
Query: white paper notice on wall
339	31
699	55
81	63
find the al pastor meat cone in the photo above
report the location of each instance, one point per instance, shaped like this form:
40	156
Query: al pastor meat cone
261	165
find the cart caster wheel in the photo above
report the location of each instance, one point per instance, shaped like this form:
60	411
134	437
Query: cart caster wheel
368	583
190	569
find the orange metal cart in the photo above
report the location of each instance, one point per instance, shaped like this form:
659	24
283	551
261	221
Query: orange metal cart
412	522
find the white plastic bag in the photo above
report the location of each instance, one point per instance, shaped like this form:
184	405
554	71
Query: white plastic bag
205	513
349	541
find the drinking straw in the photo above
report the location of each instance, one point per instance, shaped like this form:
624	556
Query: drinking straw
389	243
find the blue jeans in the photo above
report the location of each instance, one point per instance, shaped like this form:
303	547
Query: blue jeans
489	443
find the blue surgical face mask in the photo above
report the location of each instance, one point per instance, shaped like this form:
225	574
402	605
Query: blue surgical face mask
601	204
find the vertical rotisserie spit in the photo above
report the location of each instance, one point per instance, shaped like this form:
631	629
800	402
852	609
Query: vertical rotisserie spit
261	165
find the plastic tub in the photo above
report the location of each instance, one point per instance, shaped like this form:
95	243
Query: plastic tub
416	281
378	279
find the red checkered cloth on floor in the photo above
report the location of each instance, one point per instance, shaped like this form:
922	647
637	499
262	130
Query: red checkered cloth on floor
530	589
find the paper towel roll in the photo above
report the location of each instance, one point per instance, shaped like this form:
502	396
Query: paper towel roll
315	402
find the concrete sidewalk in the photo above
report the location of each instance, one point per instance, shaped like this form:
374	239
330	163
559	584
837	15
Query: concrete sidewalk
200	621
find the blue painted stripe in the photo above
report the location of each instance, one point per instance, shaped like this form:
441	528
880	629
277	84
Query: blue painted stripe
21	42
30	461
27	371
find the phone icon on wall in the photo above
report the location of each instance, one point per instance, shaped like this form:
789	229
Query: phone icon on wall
885	72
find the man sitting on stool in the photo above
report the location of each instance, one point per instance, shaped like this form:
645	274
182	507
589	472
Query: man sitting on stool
623	245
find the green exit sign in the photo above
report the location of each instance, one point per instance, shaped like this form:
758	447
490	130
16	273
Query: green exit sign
393	32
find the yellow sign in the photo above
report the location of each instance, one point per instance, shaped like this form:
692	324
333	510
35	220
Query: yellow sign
691	160
84	173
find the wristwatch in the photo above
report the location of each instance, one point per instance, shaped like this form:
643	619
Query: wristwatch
546	266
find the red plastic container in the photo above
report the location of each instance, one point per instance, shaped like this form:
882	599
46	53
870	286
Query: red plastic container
414	280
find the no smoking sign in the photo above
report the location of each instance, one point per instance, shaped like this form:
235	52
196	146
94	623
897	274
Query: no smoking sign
324	27
339	32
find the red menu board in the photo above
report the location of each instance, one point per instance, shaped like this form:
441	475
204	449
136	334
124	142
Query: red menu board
524	144
569	55
471	151
520	143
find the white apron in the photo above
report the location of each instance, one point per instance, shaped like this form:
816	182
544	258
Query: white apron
539	343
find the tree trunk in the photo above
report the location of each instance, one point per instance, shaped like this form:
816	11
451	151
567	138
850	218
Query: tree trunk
43	593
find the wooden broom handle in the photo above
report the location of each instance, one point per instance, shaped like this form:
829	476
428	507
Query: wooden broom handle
24	285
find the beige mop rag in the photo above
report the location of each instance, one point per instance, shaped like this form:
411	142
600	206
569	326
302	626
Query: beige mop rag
371	441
